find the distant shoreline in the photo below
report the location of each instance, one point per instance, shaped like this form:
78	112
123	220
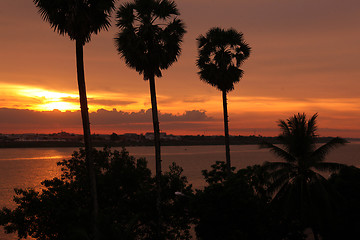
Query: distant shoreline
184	141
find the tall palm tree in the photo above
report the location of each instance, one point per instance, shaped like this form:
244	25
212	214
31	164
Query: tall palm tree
221	53
79	19
297	181
149	41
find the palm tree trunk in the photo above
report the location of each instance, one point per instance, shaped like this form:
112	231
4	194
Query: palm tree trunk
226	129
157	151
87	135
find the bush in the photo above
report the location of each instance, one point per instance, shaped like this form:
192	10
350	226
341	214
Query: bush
237	206
126	195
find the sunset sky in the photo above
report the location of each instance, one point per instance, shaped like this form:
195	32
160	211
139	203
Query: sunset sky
305	58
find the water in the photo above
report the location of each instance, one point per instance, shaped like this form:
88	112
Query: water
22	168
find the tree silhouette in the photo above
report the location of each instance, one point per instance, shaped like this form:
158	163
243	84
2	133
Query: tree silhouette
149	41
79	19
127	193
236	206
221	53
300	188
346	222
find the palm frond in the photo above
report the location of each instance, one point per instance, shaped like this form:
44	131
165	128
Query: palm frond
125	15
272	166
201	40
221	53
284	194
284	127
311	126
78	19
297	183
328	166
279	152
166	9
320	153
150	35
278	186
280	173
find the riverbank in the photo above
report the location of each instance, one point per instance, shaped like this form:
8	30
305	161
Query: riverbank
188	140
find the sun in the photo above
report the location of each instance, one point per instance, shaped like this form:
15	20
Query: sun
51	100
61	106
40	99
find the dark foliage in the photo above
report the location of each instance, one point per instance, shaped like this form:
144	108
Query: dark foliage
79	19
127	196
76	18
149	39
221	53
345	222
300	191
236	206
150	35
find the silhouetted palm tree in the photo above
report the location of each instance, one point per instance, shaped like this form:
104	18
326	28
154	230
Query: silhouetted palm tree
79	19
221	53
149	41
297	181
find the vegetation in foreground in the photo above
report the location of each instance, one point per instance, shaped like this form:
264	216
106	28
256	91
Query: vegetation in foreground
278	200
235	206
127	197
301	190
79	20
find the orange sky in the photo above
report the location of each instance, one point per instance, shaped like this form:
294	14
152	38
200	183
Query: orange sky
305	58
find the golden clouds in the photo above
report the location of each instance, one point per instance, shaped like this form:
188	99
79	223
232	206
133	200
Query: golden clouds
305	59
41	99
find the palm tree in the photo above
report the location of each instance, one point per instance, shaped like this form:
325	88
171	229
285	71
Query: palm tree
221	53
297	182
149	41
79	19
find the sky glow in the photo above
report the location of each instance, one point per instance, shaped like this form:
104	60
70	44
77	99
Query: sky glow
304	59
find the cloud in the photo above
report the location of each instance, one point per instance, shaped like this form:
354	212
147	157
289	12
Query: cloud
107	102
194	100
19	120
192	122
103	116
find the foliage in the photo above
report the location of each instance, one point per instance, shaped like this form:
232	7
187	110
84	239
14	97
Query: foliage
235	207
150	35
345	222
79	19
76	18
301	192
221	53
217	174
127	195
149	41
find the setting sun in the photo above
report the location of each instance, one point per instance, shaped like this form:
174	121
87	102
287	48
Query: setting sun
50	100
42	99
61	106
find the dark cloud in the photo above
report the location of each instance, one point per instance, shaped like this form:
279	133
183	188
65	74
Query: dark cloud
21	119
103	116
24	117
106	102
